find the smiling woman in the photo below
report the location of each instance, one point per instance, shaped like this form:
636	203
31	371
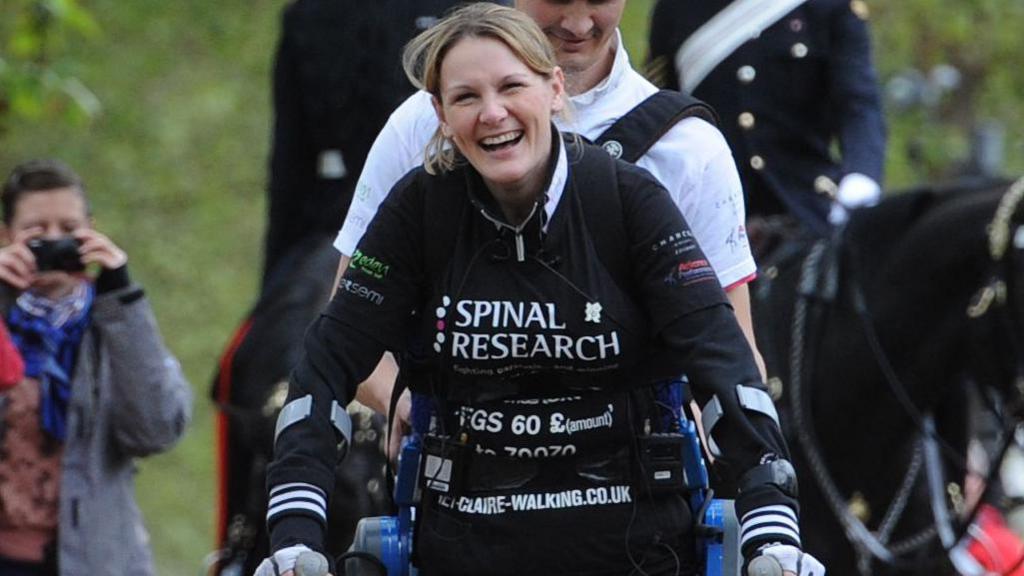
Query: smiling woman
536	346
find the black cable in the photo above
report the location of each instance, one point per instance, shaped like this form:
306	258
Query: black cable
675	557
700	528
637	567
339	562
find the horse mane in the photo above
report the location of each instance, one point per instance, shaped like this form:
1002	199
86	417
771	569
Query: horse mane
918	258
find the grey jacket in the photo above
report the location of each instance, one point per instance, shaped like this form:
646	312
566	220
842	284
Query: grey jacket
129	399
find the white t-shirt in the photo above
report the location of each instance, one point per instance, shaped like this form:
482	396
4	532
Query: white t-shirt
692	161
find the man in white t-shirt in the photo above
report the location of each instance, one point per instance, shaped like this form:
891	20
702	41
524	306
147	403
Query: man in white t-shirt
692	159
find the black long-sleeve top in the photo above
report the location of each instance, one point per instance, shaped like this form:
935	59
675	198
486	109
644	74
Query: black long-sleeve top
531	309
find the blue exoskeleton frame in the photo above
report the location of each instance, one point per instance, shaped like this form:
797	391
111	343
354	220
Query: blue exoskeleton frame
390	538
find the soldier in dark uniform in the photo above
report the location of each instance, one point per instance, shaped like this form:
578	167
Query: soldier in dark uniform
337	77
784	97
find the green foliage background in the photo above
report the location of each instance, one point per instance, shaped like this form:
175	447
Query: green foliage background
175	141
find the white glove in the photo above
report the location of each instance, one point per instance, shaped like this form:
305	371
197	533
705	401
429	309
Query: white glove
794	560
855	191
285	559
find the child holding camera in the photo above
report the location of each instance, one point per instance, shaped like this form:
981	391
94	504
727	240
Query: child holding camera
100	387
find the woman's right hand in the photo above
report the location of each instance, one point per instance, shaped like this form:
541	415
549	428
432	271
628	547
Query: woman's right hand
784	560
17	263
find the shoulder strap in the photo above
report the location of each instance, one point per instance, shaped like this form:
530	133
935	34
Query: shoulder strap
442	210
596	180
635	132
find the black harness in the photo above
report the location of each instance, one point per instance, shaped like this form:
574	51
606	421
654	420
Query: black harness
598	213
629	138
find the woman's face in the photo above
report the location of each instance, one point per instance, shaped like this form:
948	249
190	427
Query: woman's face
498	112
50	214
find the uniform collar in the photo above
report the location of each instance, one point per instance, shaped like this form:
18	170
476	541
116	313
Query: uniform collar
558	179
619	67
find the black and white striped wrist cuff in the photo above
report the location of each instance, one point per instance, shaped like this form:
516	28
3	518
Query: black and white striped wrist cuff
297	498
776	523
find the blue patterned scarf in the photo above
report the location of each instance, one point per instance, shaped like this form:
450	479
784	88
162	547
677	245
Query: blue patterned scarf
47	333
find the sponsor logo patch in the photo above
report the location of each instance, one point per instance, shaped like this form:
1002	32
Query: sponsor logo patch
690	272
369	265
361	291
677	243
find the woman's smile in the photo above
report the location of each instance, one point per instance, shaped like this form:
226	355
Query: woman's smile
502	141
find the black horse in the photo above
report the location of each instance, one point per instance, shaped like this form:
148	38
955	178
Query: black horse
249	389
873	336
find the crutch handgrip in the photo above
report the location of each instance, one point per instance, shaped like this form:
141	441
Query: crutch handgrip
311	563
764	566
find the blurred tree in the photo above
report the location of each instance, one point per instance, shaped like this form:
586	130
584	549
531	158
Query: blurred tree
36	72
953	80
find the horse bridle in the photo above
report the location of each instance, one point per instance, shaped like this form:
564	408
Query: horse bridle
819	283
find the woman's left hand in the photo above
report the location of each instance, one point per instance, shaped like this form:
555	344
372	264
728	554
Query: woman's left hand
96	247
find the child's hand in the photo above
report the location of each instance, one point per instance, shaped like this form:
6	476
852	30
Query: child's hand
96	247
17	263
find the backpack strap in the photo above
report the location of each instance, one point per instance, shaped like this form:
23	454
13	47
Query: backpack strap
443	209
635	132
596	182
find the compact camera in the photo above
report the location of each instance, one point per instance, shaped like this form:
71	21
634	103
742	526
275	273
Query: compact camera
57	254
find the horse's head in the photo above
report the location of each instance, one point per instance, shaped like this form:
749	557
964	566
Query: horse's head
928	294
942	275
996	311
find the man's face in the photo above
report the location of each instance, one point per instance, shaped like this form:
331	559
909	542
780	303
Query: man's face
582	32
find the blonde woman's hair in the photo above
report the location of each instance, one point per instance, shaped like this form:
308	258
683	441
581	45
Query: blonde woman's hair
424	54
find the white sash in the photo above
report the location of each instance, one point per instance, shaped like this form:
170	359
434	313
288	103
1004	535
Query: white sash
737	23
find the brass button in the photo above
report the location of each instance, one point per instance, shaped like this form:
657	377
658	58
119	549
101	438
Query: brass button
746	74
746	120
757	162
799	50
